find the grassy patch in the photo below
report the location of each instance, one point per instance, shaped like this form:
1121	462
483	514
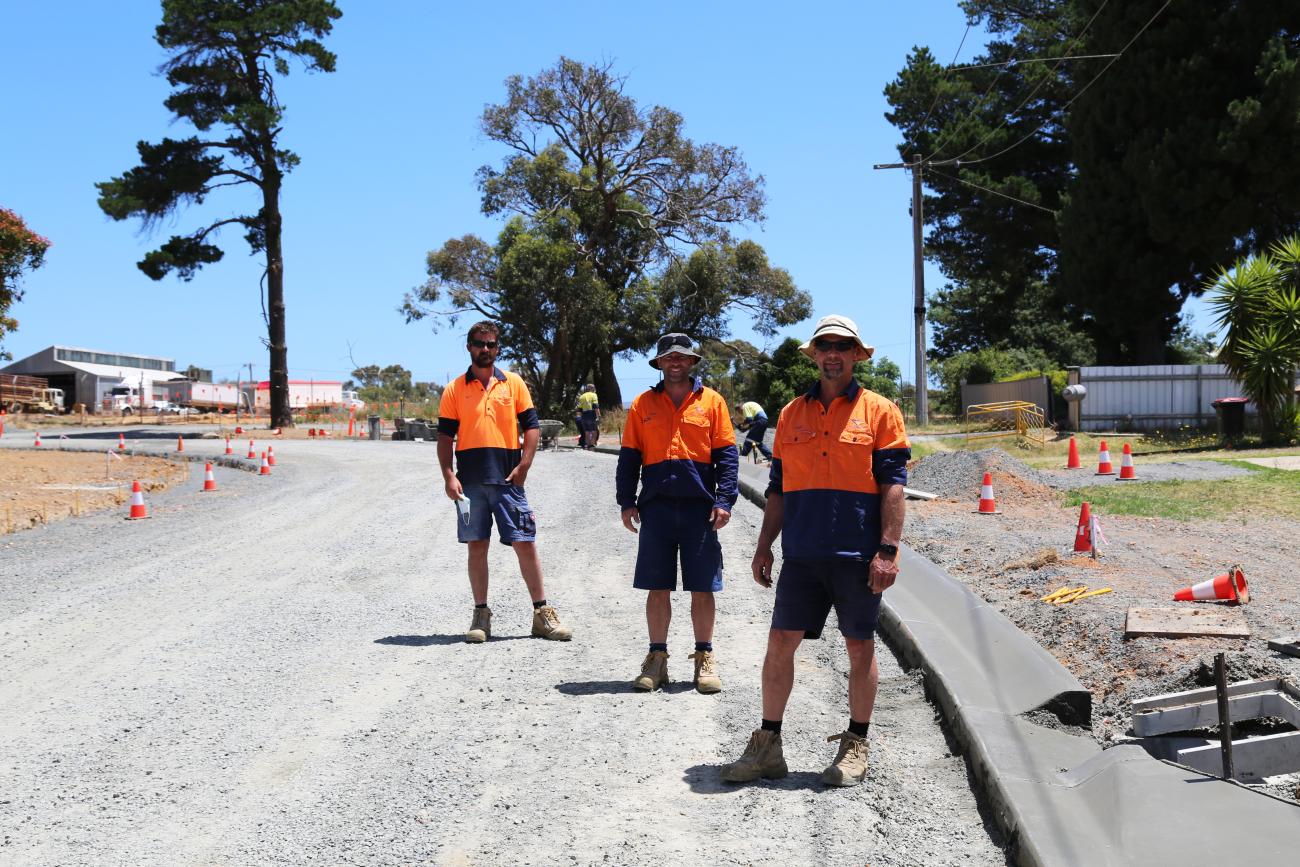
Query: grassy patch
1264	492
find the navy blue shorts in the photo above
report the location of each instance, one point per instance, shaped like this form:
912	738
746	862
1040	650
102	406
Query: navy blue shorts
807	589
587	421
507	505
673	528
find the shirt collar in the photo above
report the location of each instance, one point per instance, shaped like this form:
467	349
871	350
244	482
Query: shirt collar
849	393
697	386
496	372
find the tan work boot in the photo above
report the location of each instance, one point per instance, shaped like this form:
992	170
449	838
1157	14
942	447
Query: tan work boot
546	624
480	629
654	671
706	672
850	765
762	758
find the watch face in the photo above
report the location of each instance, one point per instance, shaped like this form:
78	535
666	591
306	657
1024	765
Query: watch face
888	550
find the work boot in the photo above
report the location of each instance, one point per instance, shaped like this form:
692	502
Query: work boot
480	629
762	758
850	765
546	624
706	672
654	671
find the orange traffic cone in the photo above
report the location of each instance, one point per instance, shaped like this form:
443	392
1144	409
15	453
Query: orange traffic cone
352	423
38	439
270	455
1083	535
121	442
229	450
1104	466
1072	462
2	422
180	444
239	430
266	468
988	504
1126	470
138	509
311	431
251	454
209	483
1230	587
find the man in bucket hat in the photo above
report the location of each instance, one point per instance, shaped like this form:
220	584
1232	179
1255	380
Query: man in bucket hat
680	446
835	497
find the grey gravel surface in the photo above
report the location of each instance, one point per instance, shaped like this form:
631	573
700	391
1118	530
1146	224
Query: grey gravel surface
274	674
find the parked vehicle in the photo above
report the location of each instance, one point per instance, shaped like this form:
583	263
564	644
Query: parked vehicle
126	400
351	401
205	396
29	394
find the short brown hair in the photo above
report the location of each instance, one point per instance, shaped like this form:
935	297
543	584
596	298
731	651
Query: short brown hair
484	326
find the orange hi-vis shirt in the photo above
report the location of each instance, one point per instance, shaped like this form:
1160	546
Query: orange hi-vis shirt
486	423
678	451
829	464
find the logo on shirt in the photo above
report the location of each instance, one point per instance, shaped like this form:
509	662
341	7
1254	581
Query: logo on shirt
857	424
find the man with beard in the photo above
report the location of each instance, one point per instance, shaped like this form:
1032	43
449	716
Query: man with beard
484	411
680	446
835	496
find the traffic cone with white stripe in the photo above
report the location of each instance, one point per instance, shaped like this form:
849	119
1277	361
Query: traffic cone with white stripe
138	510
121	442
1126	469
270	454
1072	461
988	504
209	482
38	439
1104	466
251	454
1230	587
1083	535
229	450
266	468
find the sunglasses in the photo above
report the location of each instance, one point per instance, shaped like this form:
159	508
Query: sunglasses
836	345
671	340
484	344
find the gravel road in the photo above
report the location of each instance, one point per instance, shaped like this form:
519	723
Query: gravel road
274	674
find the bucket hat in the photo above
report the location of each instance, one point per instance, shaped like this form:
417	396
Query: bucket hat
838	326
675	342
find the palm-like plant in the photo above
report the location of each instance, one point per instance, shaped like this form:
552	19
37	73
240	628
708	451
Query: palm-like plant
1257	302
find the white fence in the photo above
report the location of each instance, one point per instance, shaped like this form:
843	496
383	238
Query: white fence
1151	397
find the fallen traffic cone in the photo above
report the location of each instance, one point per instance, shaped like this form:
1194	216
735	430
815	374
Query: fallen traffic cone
270	455
121	442
1083	535
988	504
1230	587
180	443
1104	466
209	483
1126	470
251	454
239	430
1072	462
229	450
138	509
266	468
38	439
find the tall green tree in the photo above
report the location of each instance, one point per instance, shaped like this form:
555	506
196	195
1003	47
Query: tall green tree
21	250
225	57
606	199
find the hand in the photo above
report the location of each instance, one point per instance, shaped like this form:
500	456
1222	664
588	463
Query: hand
519	474
452	489
762	566
719	518
632	516
883	572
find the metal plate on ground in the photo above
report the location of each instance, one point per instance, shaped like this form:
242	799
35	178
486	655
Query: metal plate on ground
1289	644
1186	622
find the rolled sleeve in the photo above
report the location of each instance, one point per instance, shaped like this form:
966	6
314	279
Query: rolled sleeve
889	466
528	419
774	479
448	426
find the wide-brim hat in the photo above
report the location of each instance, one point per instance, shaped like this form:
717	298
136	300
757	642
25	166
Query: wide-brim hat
674	343
838	326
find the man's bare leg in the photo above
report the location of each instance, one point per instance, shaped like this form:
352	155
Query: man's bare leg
478	569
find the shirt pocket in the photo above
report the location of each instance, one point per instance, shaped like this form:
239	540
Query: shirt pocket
851	461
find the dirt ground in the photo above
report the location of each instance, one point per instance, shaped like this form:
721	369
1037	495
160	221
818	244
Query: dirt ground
37	487
1015	558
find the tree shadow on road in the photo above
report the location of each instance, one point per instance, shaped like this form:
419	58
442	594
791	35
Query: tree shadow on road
610	687
707	780
435	640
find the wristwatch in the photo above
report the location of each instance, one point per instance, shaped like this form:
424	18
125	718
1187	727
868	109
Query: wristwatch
887	551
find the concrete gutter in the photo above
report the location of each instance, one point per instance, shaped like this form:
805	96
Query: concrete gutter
1059	798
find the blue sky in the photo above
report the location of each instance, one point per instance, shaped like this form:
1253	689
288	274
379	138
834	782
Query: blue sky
389	146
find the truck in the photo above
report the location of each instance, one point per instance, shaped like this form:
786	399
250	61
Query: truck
29	394
206	396
127	400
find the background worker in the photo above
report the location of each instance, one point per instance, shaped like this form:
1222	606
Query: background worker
835	497
484	411
754	420
680	446
589	416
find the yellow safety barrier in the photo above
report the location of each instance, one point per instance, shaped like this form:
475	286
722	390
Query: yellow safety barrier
1007	418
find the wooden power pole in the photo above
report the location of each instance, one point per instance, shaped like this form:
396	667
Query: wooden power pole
922	397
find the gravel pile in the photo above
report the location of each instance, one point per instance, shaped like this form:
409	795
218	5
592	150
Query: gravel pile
957	475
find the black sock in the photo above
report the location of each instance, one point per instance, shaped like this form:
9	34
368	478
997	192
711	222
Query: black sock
772	725
859	728
539	603
659	645
704	645
481	605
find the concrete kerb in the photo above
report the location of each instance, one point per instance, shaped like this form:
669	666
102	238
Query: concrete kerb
1057	796
230	461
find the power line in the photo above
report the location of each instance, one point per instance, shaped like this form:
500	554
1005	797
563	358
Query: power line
987	190
1014	62
946	73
